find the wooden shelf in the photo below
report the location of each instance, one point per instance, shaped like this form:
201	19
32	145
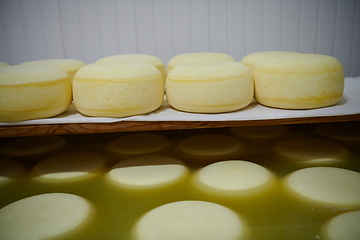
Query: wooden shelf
132	126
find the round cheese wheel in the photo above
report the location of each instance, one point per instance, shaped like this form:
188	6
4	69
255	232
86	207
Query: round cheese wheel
191	220
44	216
260	132
32	92
344	226
210	145
197	57
151	171
234	178
311	150
298	81
69	166
29	146
327	186
348	132
9	169
71	66
4	64
137	58
139	143
117	89
251	59
209	87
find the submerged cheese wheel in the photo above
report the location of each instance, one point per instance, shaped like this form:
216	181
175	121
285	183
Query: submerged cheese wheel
344	226
197	57
209	145
139	143
298	81
311	150
328	186
234	178
251	59
151	171
260	132
9	169
137	58
3	64
117	89
209	87
348	132
71	66
69	166
191	220
44	216
29	146
32	92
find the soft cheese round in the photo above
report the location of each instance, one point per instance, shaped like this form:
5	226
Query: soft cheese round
343	131
4	64
137	58
328	186
344	226
234	178
69	166
150	171
30	146
298	81
117	89
197	57
209	87
9	169
71	66
185	220
311	150
44	216
260	132
139	143
32	92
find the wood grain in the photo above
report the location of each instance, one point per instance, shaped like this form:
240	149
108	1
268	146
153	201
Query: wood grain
133	126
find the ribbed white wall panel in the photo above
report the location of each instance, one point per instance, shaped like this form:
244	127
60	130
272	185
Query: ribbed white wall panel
91	29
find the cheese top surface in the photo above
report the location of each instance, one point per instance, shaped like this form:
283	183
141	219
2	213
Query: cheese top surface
133	58
20	74
118	71
252	58
208	70
68	65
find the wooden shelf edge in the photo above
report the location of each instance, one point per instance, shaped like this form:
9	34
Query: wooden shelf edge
132	126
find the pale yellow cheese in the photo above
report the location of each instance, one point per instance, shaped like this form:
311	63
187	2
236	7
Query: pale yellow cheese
9	169
32	92
298	81
344	226
4	64
137	58
71	66
209	87
197	57
117	89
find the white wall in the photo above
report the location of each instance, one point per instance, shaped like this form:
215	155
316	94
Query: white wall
91	29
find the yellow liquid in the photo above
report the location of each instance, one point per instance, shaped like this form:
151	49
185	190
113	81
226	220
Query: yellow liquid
271	215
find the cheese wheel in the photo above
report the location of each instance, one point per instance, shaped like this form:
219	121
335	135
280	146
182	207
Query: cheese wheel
210	146
251	59
71	66
32	92
298	81
139	143
44	216
234	178
348	132
9	169
197	57
327	186
69	166
4	64
146	172
30	146
117	89
344	226
209	87
260	132
185	220
137	58
311	150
